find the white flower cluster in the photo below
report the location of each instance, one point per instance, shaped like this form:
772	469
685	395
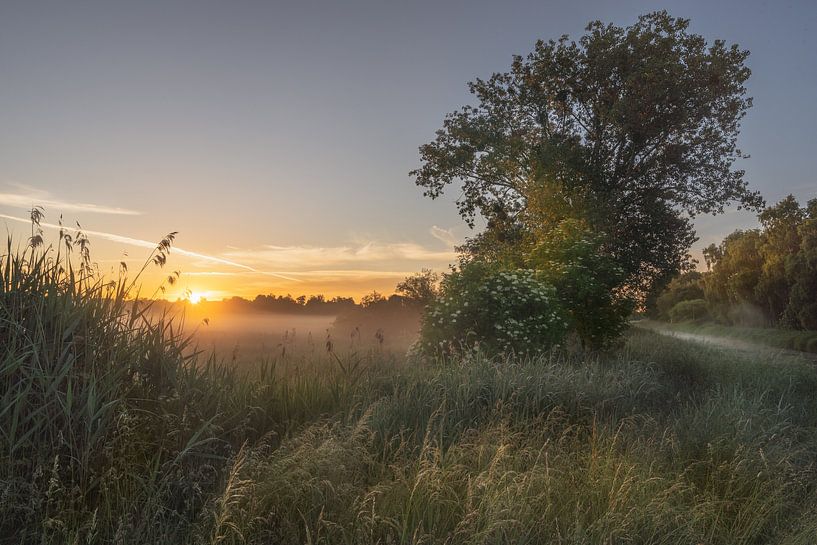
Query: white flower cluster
511	310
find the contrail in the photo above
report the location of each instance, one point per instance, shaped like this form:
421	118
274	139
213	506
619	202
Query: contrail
148	244
26	201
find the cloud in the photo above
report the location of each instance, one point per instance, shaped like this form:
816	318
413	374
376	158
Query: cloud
322	273
148	244
363	254
446	236
347	273
353	262
30	197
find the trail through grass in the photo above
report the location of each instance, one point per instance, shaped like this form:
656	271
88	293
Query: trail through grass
785	341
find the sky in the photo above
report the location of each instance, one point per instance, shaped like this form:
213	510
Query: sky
276	137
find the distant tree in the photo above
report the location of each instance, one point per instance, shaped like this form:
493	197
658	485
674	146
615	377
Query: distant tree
686	287
711	255
771	270
371	299
735	275
314	304
690	310
781	239
343	302
631	129
316	300
420	288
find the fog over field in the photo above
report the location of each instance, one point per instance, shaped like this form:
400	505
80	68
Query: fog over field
248	335
245	337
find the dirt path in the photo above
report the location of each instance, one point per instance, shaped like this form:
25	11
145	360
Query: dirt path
728	343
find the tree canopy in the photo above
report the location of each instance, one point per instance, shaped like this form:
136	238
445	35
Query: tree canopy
633	130
420	288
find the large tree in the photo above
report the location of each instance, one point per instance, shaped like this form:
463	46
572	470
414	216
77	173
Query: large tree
633	130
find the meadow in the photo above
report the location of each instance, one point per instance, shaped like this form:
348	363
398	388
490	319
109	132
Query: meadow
115	428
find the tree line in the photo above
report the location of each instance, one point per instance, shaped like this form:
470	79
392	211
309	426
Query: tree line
413	292
763	277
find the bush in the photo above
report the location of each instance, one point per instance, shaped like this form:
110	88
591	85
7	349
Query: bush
693	310
686	287
587	280
513	310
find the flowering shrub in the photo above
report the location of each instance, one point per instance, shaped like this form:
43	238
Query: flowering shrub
512	310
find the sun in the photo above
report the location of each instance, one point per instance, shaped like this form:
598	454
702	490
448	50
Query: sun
194	297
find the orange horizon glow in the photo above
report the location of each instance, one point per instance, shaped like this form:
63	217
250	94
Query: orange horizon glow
348	269
196	288
221	292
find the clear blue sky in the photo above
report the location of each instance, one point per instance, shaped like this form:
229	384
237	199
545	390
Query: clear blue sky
278	135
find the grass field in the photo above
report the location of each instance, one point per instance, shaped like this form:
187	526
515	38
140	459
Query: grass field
114	430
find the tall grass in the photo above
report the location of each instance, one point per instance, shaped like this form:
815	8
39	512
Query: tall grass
115	429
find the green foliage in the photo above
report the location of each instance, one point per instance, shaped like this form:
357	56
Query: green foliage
767	276
588	281
735	276
419	289
632	129
685	287
781	239
498	310
690	310
801	274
